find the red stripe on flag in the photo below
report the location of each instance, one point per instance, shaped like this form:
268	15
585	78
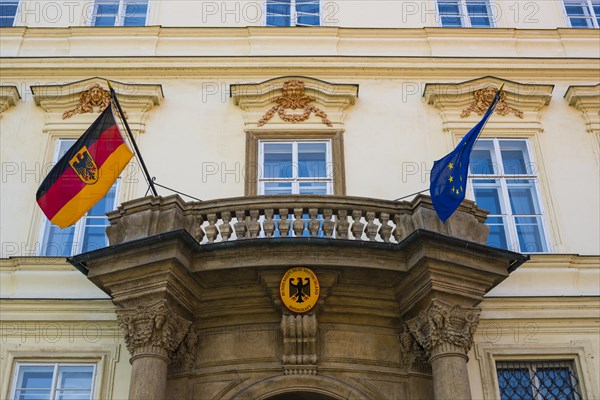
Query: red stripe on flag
68	185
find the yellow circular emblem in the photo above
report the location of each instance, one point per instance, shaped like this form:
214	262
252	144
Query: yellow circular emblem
299	289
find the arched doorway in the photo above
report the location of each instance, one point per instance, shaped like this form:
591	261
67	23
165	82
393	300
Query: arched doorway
300	395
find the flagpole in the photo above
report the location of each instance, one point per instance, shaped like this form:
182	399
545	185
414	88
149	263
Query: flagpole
113	95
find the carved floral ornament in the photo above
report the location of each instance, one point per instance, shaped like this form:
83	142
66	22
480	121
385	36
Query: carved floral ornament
483	98
445	323
294	98
94	97
152	325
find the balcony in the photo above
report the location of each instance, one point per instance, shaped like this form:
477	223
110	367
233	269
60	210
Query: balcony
387	270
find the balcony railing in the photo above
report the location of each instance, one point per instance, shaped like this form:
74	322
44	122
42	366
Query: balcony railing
332	217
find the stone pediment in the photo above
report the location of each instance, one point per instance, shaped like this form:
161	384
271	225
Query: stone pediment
294	103
587	100
462	104
71	107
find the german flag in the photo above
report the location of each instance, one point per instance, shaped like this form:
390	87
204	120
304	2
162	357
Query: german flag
85	173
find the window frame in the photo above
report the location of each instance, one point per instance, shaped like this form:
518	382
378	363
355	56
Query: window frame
55	374
465	19
121	13
589	9
293	15
296	180
254	136
533	364
79	226
14	17
509	219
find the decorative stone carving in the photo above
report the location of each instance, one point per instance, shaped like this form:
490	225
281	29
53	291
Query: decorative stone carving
294	98
411	352
442	323
152	328
299	343
94	97
184	357
483	98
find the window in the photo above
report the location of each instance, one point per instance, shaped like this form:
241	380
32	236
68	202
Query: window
295	167
59	381
465	13
8	10
583	13
293	13
120	13
503	180
88	233
537	380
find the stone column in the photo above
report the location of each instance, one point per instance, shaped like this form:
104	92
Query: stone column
152	333
446	333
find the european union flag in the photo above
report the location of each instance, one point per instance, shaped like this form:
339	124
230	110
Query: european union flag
448	179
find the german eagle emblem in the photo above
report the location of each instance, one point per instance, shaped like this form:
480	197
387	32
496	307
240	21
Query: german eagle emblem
84	166
299	291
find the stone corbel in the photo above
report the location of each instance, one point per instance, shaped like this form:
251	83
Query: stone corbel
587	100
444	328
294	103
152	330
9	96
71	107
462	104
299	344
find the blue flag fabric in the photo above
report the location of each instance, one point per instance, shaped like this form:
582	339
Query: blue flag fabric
448	180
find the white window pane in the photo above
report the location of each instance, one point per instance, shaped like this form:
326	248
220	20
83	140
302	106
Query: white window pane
488	199
523	200
515	160
278	12
135	13
497	237
8	10
277	160
76	377
307	12
57	242
312	160
313	188
35	377
278	188
32	395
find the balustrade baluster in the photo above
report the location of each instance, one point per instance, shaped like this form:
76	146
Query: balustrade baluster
357	226
240	226
385	231
269	224
342	224
253	224
397	232
328	224
284	222
298	224
313	224
225	227
371	228
211	230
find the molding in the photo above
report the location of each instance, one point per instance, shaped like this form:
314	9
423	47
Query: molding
9	96
462	104
105	356
256	98
587	100
581	352
59	100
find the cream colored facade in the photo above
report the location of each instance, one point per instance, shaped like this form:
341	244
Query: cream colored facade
177	79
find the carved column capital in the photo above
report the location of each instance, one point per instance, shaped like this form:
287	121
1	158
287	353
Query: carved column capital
152	330
444	328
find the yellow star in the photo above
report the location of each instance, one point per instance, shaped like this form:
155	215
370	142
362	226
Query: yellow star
451	165
461	189
452	189
451	179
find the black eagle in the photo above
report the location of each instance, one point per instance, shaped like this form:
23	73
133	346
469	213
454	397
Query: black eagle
300	290
84	166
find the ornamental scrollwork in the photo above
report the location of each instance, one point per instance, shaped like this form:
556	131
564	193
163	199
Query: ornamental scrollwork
152	325
94	97
445	323
294	98
483	98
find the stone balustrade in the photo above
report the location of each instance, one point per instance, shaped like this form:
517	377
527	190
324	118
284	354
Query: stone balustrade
333	217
